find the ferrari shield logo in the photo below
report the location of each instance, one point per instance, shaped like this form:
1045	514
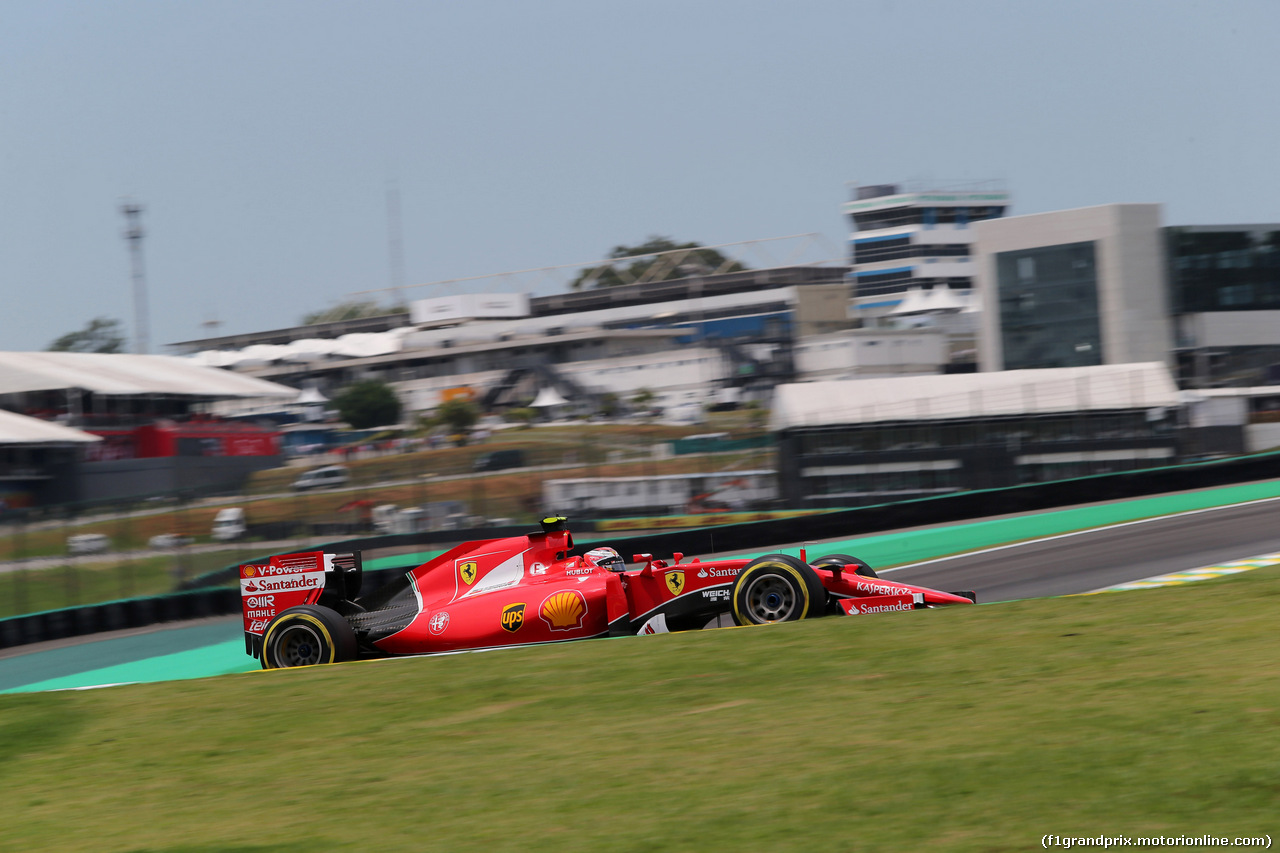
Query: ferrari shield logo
512	617
675	582
468	572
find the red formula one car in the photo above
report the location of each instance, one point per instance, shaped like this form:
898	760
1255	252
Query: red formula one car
302	609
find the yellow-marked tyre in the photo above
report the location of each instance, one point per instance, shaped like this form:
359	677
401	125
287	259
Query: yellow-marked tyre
777	588
307	635
844	560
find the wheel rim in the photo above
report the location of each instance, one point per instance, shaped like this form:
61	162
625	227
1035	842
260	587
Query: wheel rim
771	599
298	645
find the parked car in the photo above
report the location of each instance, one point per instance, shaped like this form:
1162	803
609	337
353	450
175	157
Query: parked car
169	540
498	460
329	476
88	543
229	524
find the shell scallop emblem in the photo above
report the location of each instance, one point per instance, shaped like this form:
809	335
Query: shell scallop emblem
564	610
250	571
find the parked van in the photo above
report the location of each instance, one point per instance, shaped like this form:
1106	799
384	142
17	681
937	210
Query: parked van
497	460
88	543
229	524
320	478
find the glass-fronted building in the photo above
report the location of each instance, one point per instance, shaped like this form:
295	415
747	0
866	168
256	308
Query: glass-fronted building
905	237
858	442
1050	315
1074	288
1225	289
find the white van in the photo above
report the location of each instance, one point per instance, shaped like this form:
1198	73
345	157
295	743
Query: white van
229	524
320	478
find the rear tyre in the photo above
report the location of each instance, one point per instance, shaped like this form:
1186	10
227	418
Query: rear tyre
307	635
844	560
777	588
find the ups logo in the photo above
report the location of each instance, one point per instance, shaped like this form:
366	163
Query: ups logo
468	572
512	617
675	582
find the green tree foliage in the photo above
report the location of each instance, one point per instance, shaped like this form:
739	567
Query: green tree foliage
351	311
522	416
657	259
101	334
610	406
458	414
368	404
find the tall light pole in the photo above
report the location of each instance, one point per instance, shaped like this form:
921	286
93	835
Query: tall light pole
133	214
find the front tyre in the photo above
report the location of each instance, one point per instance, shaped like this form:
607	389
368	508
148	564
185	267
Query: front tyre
777	588
307	635
844	560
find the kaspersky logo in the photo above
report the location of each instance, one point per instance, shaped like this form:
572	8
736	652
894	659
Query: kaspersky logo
675	582
467	571
513	617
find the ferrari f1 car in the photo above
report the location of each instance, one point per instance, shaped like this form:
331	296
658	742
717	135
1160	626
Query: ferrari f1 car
303	609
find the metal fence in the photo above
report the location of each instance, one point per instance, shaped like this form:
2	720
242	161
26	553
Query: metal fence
77	554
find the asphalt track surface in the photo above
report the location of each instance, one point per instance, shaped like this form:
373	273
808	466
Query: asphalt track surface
1089	560
1050	555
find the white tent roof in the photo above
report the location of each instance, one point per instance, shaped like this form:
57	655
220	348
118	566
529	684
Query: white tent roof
973	395
938	299
548	397
127	375
354	345
310	396
20	429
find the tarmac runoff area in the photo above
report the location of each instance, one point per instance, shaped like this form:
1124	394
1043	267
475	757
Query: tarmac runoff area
216	646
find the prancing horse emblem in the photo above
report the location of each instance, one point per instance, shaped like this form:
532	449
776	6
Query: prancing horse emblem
675	582
468	572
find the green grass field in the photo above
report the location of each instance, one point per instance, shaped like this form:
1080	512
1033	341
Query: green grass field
979	728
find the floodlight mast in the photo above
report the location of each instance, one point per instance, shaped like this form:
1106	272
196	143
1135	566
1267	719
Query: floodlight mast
133	213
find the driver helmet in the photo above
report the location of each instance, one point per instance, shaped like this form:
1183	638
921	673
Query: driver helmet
606	558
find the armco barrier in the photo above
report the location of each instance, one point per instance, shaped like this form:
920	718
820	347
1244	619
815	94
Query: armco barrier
116	616
962	506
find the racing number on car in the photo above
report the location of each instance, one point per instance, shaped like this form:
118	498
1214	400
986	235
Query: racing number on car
675	582
468	572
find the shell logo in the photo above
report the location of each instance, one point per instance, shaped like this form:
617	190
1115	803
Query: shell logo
250	571
563	611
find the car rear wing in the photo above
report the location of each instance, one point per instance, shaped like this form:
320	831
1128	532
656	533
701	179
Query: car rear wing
288	580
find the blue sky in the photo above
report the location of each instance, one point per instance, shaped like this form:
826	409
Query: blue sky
261	137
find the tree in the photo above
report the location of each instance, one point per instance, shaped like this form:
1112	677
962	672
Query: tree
368	404
351	311
660	259
101	334
460	415
642	399
609	404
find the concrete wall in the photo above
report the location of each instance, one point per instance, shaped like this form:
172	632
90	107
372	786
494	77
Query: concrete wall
1133	290
1230	329
1260	437
871	352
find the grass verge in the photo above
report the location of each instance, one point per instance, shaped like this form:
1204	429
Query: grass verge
977	728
